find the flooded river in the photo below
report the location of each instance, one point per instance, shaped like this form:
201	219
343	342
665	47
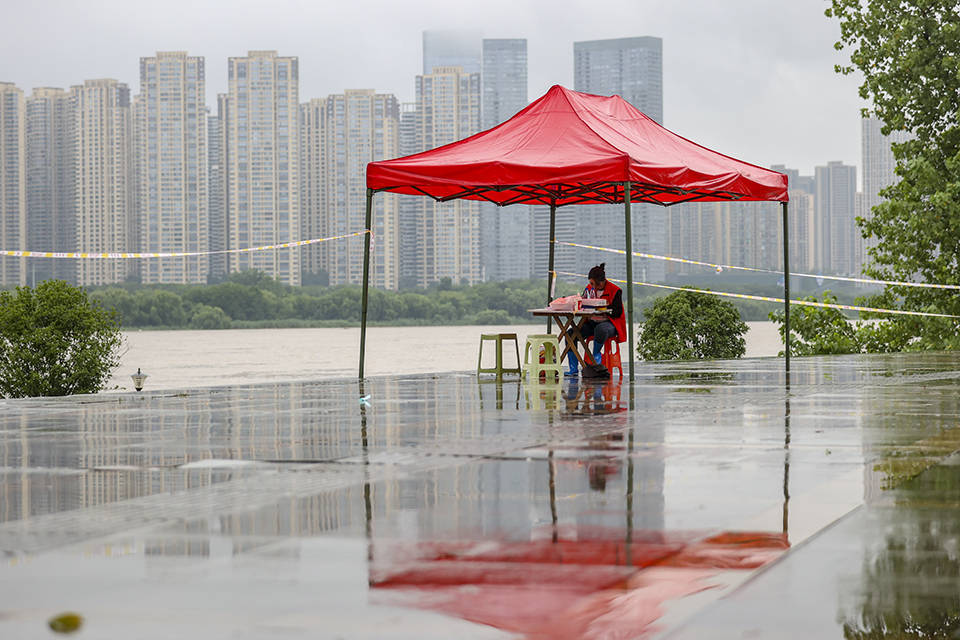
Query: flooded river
186	359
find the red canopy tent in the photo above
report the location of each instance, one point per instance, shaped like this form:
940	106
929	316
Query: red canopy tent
571	148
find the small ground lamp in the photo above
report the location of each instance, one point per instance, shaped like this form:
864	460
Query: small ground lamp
138	379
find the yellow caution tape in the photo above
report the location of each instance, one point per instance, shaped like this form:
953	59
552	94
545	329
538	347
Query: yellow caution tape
803	303
720	267
78	255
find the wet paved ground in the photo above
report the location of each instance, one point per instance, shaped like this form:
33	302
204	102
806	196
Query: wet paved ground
708	500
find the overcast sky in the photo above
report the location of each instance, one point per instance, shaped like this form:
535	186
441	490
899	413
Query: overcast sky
750	78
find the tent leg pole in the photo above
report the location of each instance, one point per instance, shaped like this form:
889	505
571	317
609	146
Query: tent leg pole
786	290
550	274
366	281
627	189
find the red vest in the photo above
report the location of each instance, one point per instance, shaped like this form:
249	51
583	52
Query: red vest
609	293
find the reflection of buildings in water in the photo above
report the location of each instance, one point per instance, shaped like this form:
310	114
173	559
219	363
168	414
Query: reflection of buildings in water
104	452
906	585
511	497
338	510
906	432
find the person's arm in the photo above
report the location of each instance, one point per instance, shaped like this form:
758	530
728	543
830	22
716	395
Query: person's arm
616	307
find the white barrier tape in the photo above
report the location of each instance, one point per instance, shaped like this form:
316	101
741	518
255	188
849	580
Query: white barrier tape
78	255
802	303
720	267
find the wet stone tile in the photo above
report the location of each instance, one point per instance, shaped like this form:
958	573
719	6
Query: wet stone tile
452	507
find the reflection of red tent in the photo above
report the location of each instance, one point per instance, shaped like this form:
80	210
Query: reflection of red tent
571	588
574	148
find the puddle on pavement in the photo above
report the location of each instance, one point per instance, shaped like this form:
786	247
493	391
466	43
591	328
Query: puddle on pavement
544	510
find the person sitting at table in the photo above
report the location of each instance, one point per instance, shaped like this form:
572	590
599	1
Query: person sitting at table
601	330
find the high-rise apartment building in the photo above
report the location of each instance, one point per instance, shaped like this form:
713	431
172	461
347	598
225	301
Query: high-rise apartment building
631	68
802	219
342	134
745	234
217	189
503	79
879	165
51	182
879	169
838	241
451	48
803	231
104	188
263	163
172	166
409	206
447	234
13	193
505	232
313	115
693	231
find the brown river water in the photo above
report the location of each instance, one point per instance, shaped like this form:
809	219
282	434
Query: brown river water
188	359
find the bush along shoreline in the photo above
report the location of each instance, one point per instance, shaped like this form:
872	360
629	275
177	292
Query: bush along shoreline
252	300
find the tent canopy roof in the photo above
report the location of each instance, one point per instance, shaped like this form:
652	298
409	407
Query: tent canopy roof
569	147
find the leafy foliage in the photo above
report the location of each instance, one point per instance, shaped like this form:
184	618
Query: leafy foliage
909	55
818	331
207	317
251	299
54	341
686	325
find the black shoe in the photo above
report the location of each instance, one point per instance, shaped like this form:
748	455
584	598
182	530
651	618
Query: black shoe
596	372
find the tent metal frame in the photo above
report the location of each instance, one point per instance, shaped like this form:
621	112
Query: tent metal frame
567	194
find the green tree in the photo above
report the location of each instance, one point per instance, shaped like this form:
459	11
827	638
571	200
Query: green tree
909	56
207	317
817	330
687	325
55	341
492	316
161	308
821	331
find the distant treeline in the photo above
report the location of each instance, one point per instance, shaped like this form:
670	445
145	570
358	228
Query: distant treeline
253	300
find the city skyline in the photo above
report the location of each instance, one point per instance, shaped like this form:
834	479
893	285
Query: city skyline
254	145
771	97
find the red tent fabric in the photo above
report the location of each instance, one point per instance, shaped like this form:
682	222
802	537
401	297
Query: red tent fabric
576	148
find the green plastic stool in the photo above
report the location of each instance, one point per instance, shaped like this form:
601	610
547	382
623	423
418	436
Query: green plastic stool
551	357
499	369
542	397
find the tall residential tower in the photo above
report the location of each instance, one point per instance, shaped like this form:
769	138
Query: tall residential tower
506	231
879	169
51	182
839	239
447	234
263	163
104	187
172	163
13	194
344	132
631	68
